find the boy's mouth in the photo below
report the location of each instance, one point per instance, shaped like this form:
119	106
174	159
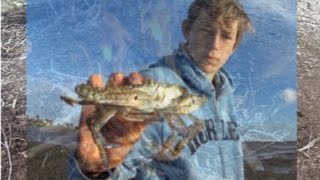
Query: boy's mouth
212	60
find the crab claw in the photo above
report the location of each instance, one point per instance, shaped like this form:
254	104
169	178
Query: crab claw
67	100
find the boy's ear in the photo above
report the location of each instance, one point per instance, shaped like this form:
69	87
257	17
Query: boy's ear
185	29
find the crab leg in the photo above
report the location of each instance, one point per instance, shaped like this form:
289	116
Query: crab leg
166	146
72	101
108	102
177	123
188	135
95	124
151	117
196	127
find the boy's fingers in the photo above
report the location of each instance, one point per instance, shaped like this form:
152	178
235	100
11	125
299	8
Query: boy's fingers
136	78
96	81
117	79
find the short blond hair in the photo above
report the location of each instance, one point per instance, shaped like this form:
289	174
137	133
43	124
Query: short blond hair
224	12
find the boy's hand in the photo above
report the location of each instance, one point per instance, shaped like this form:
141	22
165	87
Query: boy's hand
116	131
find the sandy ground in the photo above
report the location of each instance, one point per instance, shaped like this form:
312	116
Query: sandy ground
13	99
309	85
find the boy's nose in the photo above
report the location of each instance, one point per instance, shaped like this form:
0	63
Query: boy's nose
215	42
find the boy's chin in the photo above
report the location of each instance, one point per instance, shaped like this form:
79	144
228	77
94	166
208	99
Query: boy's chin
209	69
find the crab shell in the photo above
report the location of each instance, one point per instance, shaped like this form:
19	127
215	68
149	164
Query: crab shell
145	97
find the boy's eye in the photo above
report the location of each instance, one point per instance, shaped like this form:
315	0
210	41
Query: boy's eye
204	30
207	29
227	36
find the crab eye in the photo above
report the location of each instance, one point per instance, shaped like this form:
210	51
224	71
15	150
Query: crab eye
136	97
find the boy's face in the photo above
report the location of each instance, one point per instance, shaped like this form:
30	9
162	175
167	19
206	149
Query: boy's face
209	45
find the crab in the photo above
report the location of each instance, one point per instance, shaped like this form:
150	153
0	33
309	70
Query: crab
152	102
